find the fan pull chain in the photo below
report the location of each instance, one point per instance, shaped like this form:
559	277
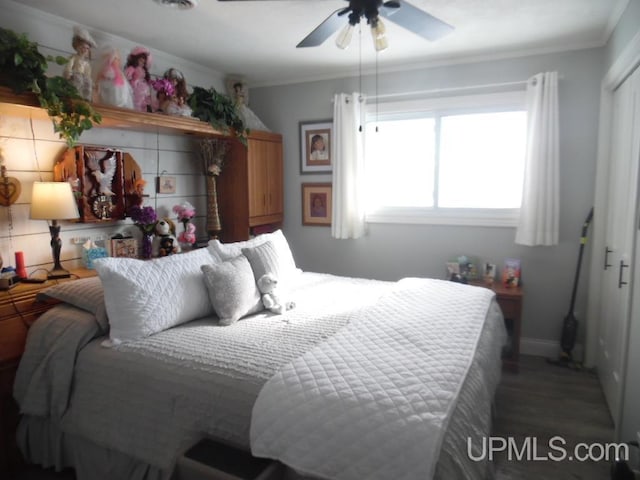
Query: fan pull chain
35	150
360	65
376	91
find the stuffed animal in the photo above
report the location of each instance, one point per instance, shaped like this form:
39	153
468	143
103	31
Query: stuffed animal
165	242
268	286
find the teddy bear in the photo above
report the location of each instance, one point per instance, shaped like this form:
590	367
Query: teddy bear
165	242
268	286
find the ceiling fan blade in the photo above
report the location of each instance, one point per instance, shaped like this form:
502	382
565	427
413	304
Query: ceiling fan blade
417	21
323	31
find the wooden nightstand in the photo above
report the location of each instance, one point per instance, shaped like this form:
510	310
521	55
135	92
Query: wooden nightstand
510	301
18	311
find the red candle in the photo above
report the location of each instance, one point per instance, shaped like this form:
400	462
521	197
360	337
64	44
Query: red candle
21	272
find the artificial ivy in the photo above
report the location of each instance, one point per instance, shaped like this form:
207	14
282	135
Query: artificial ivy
218	110
24	69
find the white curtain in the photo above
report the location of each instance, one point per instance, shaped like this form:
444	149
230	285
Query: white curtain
347	151
539	213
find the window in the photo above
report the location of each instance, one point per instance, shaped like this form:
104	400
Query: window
448	160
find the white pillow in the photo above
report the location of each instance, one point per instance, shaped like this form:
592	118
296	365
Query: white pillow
147	297
265	259
232	289
227	251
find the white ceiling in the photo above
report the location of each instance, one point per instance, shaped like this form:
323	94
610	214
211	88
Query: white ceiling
256	39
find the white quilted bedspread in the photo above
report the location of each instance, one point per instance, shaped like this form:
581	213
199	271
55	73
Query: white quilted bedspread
374	400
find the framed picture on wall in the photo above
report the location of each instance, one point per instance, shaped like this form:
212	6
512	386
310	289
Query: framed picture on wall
166	184
315	146
316	203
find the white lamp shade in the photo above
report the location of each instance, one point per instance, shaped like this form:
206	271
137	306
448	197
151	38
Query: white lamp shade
53	201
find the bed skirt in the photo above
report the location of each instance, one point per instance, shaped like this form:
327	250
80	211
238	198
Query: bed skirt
42	442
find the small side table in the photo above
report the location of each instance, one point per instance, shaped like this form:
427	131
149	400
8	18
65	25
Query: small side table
510	300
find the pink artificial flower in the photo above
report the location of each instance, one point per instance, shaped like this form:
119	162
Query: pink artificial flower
185	211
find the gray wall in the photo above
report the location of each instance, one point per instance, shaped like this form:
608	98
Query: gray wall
625	30
391	251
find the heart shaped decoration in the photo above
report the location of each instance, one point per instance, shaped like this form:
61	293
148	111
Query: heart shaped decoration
9	190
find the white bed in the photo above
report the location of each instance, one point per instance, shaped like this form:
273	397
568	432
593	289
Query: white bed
130	410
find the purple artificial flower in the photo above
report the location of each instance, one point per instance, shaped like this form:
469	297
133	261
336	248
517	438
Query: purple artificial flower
165	86
144	217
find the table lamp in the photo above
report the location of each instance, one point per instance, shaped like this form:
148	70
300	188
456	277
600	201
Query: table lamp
54	201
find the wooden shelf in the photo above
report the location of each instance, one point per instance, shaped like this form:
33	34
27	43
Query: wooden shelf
26	105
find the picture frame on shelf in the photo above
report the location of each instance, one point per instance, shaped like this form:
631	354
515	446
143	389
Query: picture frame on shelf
316	204
489	273
511	272
315	146
124	247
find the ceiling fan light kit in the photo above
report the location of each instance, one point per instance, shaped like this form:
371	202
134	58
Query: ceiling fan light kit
178	4
344	37
379	34
399	12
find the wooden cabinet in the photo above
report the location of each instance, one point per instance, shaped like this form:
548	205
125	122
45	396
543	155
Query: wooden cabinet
250	191
510	301
18	311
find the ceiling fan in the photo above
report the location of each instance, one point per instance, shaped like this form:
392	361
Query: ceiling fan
400	12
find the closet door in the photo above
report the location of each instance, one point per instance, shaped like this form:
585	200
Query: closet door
620	239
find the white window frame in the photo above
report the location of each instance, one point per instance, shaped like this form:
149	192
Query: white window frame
492	102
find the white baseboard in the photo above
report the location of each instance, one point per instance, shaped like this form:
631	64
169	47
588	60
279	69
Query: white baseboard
546	348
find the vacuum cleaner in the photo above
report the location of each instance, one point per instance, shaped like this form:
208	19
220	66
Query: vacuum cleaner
570	323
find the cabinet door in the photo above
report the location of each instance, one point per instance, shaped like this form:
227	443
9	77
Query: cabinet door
265	181
258	183
273	163
620	238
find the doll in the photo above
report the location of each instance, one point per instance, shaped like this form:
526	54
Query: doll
137	73
112	87
239	93
172	93
78	68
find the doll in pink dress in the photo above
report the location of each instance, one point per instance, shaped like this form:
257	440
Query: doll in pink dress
137	73
112	87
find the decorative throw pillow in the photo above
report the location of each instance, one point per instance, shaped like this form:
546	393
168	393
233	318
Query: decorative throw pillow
86	294
232	289
147	297
266	258
227	251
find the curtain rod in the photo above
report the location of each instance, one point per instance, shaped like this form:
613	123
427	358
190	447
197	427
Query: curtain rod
451	89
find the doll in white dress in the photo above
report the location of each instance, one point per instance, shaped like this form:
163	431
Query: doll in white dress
78	69
112	86
239	93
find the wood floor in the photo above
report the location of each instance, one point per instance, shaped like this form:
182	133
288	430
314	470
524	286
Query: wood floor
541	401
545	401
